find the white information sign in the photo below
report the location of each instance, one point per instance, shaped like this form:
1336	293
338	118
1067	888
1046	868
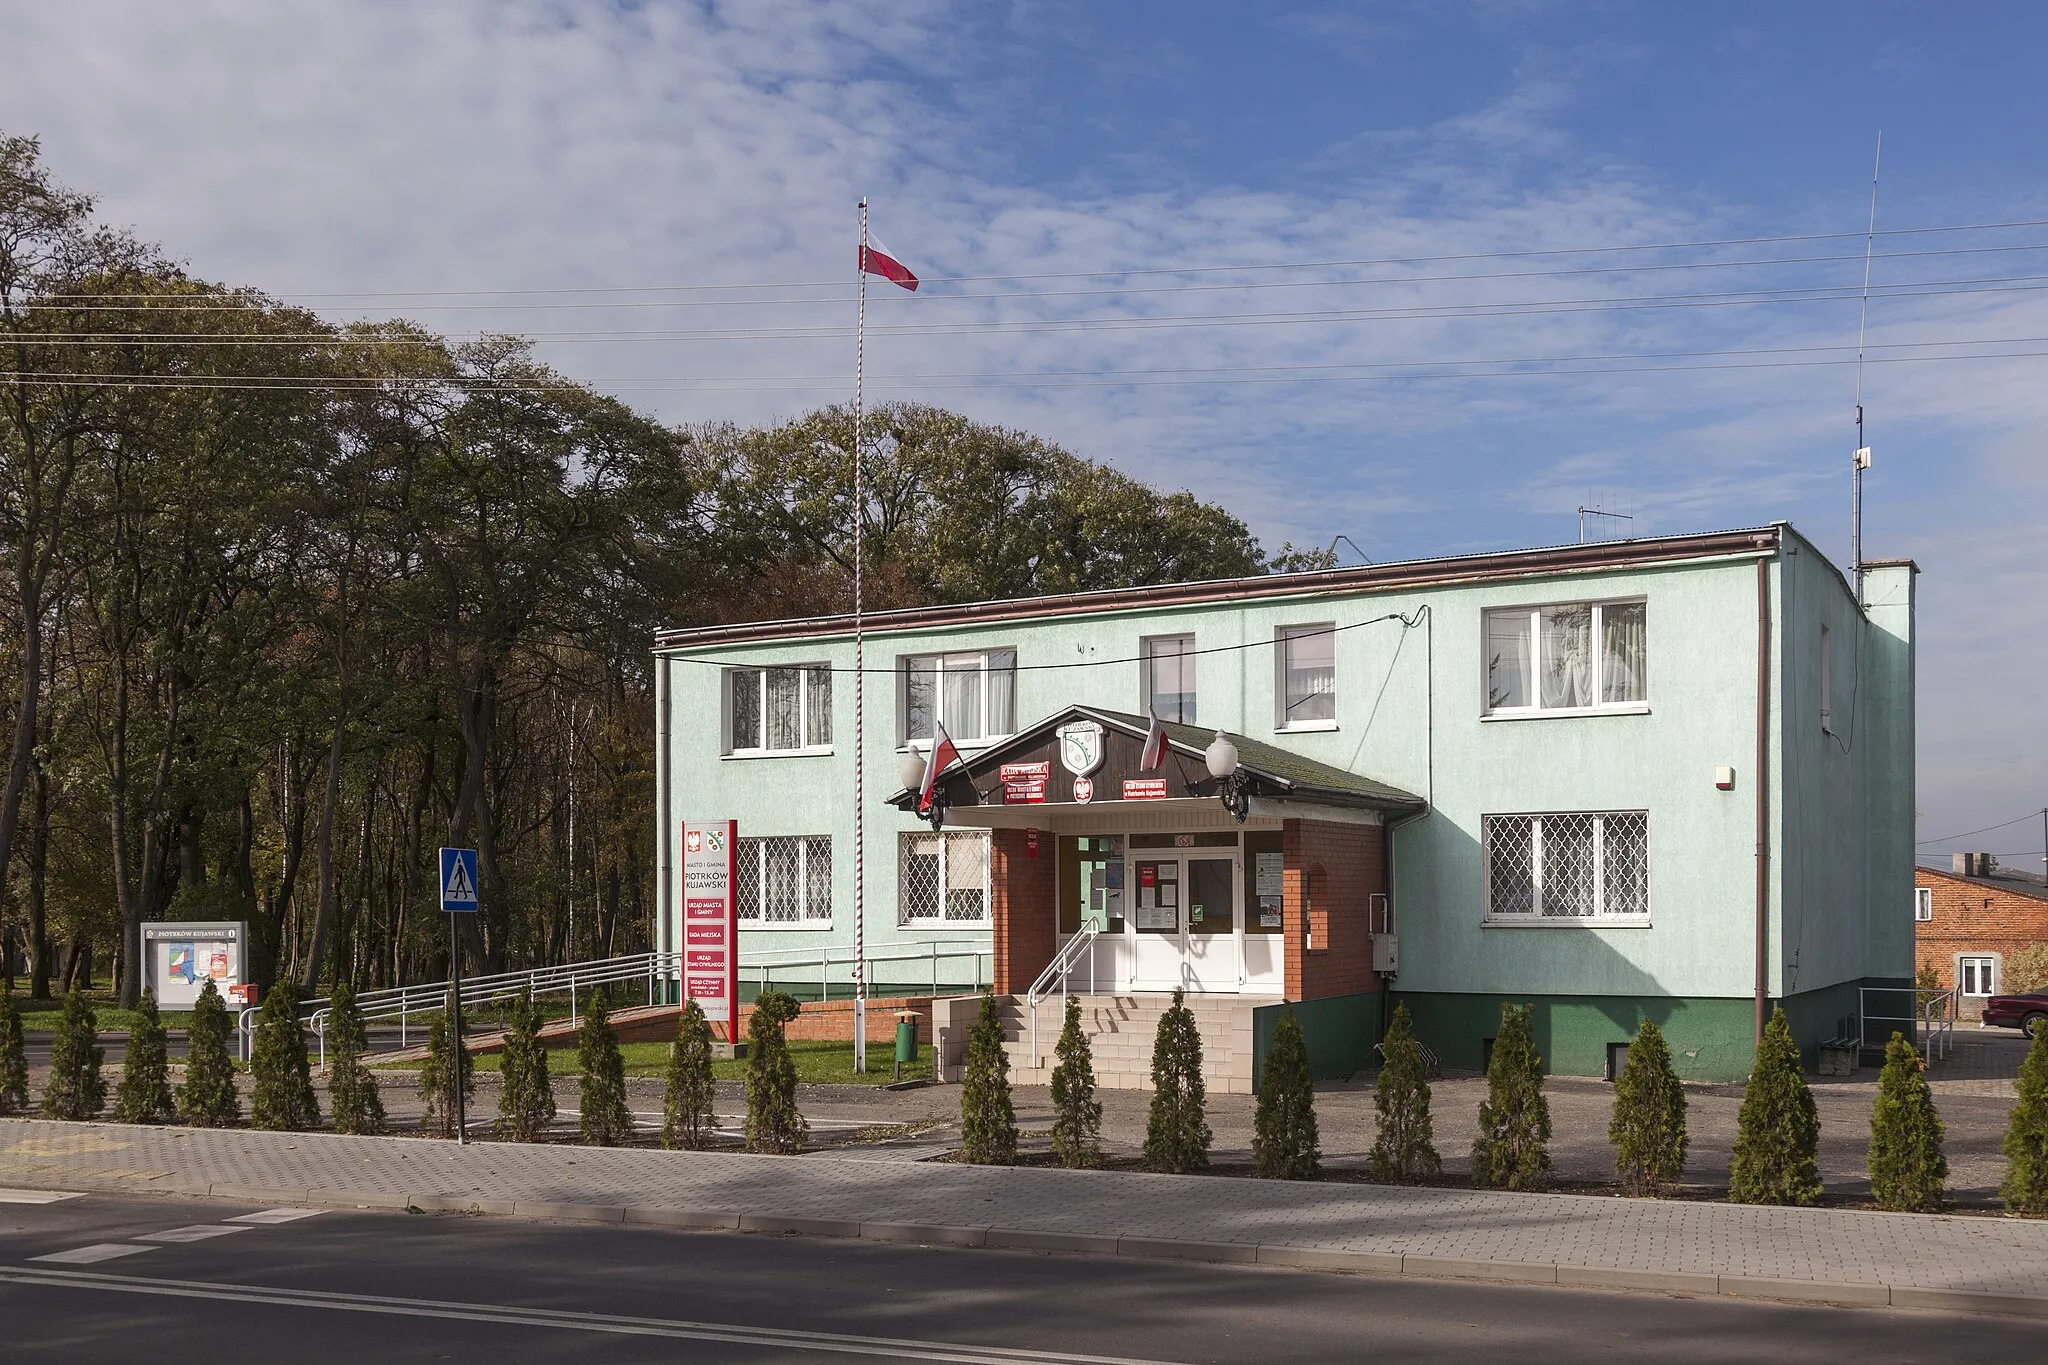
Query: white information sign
709	941
179	959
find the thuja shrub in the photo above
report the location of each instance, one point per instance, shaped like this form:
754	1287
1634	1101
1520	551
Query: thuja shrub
1177	1128
1907	1164
284	1098
1648	1125
601	1094
446	1067
687	1120
526	1093
75	1089
13	1055
1076	1113
207	1099
774	1124
144	1095
351	1089
1512	1151
988	1120
1405	1148
1777	1133
2025	1187
1284	1139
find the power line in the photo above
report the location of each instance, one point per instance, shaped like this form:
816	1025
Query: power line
1968	833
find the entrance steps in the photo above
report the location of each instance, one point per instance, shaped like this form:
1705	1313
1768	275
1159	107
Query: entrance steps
1121	1030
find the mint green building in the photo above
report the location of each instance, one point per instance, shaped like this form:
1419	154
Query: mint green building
1667	777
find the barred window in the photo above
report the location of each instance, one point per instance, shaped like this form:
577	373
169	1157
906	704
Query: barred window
943	878
786	879
1571	867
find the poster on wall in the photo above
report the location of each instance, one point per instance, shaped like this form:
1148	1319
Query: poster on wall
709	941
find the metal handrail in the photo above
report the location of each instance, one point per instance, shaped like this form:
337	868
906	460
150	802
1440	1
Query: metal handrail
1932	1017
1062	963
826	957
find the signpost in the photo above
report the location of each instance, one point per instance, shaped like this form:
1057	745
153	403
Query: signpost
458	897
711	931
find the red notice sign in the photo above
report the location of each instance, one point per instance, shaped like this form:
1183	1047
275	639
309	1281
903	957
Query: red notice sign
1024	783
709	937
1144	789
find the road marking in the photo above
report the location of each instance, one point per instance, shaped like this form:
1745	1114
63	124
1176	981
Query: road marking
38	1196
277	1216
603	1323
94	1254
197	1233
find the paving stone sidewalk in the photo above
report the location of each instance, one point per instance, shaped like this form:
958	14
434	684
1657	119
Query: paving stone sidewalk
1820	1254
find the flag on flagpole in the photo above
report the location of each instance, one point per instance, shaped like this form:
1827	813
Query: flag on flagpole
1155	747
944	756
876	259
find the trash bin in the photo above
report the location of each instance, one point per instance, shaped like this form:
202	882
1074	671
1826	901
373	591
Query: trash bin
906	1038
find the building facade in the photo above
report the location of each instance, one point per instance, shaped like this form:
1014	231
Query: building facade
1667	777
1970	919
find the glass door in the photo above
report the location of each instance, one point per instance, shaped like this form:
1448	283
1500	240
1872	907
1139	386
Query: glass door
1157	942
1212	950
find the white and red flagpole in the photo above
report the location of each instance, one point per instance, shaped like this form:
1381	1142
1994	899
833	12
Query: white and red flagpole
860	879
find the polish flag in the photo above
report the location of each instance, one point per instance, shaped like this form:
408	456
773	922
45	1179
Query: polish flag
944	756
876	259
1155	748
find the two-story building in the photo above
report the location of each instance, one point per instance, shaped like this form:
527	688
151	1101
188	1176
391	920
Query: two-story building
1665	777
1970	918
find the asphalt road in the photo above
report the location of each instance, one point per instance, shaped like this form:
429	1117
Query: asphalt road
342	1288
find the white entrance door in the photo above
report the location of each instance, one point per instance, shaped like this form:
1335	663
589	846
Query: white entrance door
1213	960
1156	922
1182	926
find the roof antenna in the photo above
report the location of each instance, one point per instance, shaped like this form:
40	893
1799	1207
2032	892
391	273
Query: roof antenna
1332	551
1862	460
1594	511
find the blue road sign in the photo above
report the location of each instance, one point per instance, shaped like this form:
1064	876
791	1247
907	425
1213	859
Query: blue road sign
458	880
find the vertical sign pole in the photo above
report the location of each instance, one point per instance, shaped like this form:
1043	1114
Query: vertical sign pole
455	1056
860	966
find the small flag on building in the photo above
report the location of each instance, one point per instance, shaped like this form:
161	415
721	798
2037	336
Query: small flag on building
1155	747
944	756
876	259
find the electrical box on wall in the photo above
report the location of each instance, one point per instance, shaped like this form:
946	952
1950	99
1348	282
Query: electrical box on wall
1384	959
1724	778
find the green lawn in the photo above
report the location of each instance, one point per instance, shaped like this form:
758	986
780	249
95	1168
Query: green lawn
816	1063
40	1016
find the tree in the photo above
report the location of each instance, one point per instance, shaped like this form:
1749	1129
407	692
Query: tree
207	1099
1177	1128
1404	1148
446	1066
75	1089
2025	1187
144	1095
602	1091
2026	971
351	1089
1777	1133
1512	1151
687	1120
1907	1165
526	1095
1284	1141
284	1098
1076	1113
774	1123
1648	1125
13	1055
988	1120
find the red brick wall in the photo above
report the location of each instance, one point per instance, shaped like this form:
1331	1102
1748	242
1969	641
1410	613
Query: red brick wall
1338	868
1972	918
831	1021
1026	920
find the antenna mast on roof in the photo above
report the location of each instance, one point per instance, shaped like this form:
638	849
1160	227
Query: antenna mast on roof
1862	459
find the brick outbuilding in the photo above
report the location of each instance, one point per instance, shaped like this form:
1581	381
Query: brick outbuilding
1970	919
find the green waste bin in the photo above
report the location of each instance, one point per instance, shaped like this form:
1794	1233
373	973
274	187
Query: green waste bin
906	1038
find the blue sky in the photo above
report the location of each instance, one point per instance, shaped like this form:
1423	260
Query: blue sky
355	155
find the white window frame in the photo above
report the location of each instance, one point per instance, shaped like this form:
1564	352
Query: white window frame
1536	709
809	848
1923	904
939	921
1187	655
955	660
1535	918
733	680
1989	977
1283	639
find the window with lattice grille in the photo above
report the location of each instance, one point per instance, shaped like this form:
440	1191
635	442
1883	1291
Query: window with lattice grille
943	878
785	881
1568	867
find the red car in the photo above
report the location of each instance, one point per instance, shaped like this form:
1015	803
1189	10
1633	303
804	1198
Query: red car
2026	1012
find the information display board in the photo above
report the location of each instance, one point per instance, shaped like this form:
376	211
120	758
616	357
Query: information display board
178	959
709	941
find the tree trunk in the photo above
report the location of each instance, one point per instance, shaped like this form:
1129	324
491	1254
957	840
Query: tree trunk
38	892
323	916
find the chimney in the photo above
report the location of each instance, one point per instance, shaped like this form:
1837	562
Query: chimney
1972	864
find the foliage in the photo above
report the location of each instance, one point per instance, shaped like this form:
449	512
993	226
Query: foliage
1076	1113
602	1090
1177	1128
351	1089
1512	1151
988	1121
526	1098
2026	971
1777	1134
1284	1140
1927	980
1405	1148
1648	1125
687	1120
774	1124
144	1095
13	1055
2025	1187
75	1089
1907	1165
438	1078
207	1099
284	1096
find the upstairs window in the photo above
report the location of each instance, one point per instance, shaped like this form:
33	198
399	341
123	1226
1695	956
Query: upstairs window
1308	677
1168	680
1923	903
778	710
974	693
1576	656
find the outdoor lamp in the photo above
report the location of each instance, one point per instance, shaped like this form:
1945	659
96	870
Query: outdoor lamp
1231	787
912	771
1221	757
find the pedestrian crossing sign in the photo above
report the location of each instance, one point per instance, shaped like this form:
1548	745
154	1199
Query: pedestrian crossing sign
458	880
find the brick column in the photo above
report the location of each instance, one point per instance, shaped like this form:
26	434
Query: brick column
1022	905
1331	873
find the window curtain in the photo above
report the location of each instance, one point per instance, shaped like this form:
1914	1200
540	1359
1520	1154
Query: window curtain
746	708
1622	652
818	706
1508	681
1002	692
1568	656
785	712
